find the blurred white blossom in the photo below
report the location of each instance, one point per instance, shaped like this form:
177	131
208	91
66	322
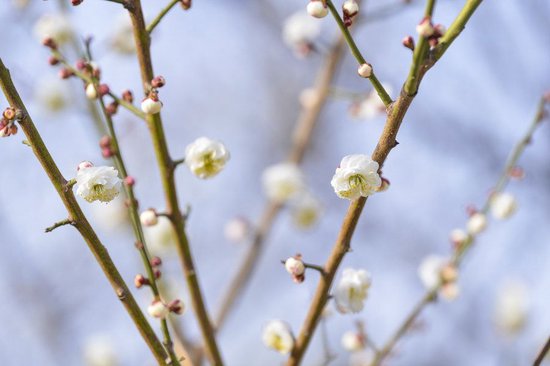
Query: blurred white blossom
55	26
99	351
237	230
476	224
353	341
282	181
278	336
122	39
300	31
52	93
351	292
111	216
512	306
305	210
160	237
503	205
369	107
429	270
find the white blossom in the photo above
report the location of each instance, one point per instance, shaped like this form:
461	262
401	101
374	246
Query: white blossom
97	183
158	309
149	217
512	305
99	351
458	236
317	9
450	291
476	224
151	105
503	205
300	30
356	176
278	336
205	157
425	28
429	270
237	229
305	210
352	341
282	181
55	26
295	266
351	292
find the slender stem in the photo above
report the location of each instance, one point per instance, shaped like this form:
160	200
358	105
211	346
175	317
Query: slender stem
166	167
161	15
357	54
386	143
80	221
542	353
303	131
459	254
59	224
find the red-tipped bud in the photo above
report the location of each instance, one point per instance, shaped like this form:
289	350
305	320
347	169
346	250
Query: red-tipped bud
176	307
52	60
9	113
50	43
127	96
156	261
158	273
186	4
81	64
408	42
129	181
111	108
103	90
105	142
140	281
158	82
65	73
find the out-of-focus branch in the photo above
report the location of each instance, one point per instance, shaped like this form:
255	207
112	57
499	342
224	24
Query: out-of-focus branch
301	137
459	254
167	168
386	143
78	219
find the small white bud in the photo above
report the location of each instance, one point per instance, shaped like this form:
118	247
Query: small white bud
476	224
503	205
149	217
99	351
84	165
350	8
353	341
365	70
317	9
425	28
158	310
151	105
458	237
91	92
449	273
512	306
295	266
450	291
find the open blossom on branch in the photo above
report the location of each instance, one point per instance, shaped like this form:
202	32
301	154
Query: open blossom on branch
300	31
278	336
55	26
206	158
356	176
97	183
351	291
282	181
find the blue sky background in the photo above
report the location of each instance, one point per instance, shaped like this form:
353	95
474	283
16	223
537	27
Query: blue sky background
230	77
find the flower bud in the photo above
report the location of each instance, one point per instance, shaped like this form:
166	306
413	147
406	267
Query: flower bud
9	113
50	43
503	205
52	60
149	217
186	4
76	2
91	92
449	273
111	108
458	237
365	70
140	281
158	82
295	266
237	229
65	73
476	224
450	291
107	152
129	181
151	105
350	8
158	310
176	306
408	42
156	261
84	165
103	90
425	28
353	341
127	96
317	9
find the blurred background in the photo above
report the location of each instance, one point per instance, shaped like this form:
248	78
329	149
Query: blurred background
231	77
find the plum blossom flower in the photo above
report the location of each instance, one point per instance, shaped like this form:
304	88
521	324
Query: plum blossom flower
356	176
351	291
476	224
512	305
300	31
97	183
205	157
306	210
282	181
54	26
429	270
278	336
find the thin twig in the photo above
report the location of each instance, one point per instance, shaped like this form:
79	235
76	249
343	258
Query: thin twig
166	167
459	254
80	221
386	143
542	353
357	54
161	15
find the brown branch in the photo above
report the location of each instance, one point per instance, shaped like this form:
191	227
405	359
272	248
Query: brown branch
542	353
79	220
301	137
386	143
167	167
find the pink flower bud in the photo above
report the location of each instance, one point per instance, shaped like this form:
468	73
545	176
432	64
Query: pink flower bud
176	307
408	42
129	181
84	165
127	96
158	82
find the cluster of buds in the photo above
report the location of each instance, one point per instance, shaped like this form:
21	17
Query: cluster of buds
427	30
105	143
160	310
7	123
140	280
350	8
296	267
